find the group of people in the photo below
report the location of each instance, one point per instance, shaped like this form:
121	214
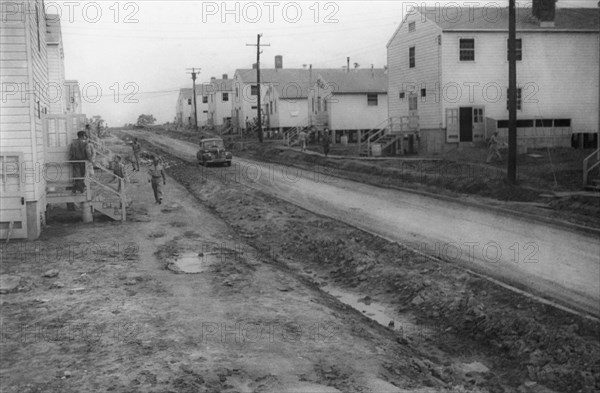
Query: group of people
82	155
325	138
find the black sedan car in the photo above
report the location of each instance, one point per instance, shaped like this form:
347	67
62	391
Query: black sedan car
212	151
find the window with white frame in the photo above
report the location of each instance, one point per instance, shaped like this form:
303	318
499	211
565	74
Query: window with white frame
10	174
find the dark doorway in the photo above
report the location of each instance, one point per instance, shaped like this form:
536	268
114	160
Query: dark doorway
466	124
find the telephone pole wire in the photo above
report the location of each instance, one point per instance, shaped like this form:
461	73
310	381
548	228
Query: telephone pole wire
194	93
258	108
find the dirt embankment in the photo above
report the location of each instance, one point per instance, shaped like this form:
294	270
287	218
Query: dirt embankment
526	344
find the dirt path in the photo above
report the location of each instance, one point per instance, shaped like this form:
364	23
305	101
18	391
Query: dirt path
545	260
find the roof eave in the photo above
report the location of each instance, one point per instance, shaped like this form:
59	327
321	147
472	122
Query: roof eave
541	30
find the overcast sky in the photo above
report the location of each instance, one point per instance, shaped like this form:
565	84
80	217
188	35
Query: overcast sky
139	50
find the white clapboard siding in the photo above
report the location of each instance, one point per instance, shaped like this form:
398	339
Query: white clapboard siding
351	112
558	75
23	62
56	75
425	74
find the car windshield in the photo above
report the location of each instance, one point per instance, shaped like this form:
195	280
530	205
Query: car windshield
216	144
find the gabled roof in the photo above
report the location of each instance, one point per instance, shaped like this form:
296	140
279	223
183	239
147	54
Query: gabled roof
496	19
356	81
218	85
289	82
457	19
185	92
53	30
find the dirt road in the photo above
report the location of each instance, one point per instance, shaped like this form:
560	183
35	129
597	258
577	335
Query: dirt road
99	307
545	260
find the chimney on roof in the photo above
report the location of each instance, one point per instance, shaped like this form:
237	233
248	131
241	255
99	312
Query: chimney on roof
372	71
253	66
348	64
544	11
278	62
212	79
225	76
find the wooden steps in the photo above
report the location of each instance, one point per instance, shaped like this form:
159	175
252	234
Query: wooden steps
593	185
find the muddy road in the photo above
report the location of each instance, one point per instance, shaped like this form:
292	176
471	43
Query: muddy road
541	259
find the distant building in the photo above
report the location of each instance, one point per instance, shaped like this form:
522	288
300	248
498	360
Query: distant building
349	102
72	97
245	101
56	88
219	93
452	72
284	96
184	111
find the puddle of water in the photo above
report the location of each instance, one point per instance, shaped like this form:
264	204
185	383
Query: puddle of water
193	262
377	312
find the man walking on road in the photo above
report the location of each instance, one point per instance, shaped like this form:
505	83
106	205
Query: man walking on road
155	173
326	142
137	148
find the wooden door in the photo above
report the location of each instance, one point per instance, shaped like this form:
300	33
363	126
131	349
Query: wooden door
465	120
478	121
13	213
452	125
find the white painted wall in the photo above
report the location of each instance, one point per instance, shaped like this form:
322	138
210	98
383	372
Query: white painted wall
425	74
56	77
351	112
558	75
292	112
219	109
25	62
244	101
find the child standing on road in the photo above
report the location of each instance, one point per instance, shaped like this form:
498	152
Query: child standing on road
302	140
493	148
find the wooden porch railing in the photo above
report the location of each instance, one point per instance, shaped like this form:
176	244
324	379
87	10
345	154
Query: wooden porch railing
89	178
589	164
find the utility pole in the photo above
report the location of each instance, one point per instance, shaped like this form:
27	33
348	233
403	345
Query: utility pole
194	93
258	108
512	93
